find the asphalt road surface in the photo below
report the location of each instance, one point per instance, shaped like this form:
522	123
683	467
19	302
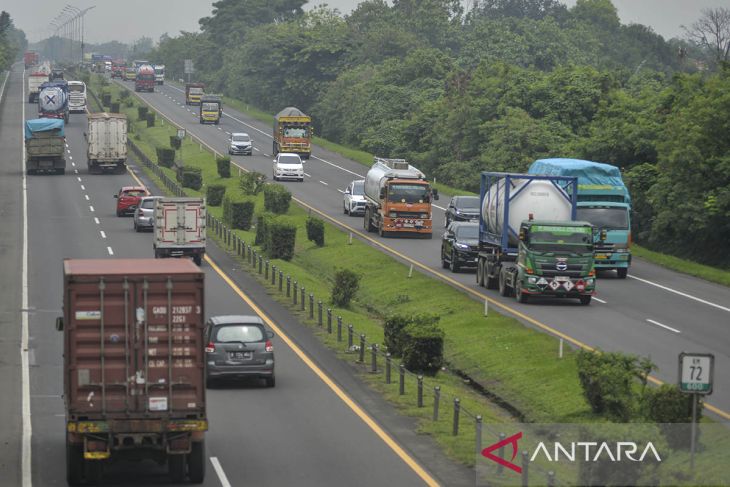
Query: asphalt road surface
298	433
655	312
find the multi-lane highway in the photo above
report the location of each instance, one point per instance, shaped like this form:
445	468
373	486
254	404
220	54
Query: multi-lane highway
311	429
655	312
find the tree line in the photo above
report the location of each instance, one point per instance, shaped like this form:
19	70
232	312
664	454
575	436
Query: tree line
494	88
12	41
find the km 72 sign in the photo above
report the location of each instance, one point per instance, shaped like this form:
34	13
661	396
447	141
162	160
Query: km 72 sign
696	372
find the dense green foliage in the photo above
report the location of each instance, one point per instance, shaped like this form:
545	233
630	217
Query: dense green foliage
345	287
12	41
223	165
492	88
315	230
417	339
280	236
165	156
276	198
214	194
238	211
190	176
252	182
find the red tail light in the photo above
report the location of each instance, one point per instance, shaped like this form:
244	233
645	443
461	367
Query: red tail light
210	348
269	346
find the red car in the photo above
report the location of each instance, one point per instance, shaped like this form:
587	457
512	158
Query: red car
128	199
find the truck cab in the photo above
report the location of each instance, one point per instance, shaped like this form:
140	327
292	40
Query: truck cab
77	96
160	74
293	132
211	109
193	93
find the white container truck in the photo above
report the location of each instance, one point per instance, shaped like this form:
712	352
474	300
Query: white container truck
35	80
76	97
179	228
160	74
107	142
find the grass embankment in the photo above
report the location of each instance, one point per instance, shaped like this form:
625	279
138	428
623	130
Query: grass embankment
518	365
708	273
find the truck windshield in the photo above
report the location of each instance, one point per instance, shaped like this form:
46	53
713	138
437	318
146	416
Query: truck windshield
77	88
408	193
196	91
608	217
210	107
561	242
147	77
299	132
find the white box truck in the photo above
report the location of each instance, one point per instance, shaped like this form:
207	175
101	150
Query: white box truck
179	228
107	142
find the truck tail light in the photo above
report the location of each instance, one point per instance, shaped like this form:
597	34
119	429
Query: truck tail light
210	348
269	346
592	273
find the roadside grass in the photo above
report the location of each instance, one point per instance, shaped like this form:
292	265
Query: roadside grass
518	365
708	273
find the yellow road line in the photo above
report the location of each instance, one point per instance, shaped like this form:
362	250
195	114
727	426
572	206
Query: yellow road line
325	378
443	277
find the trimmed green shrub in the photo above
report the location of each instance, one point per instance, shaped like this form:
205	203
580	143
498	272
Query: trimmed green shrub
281	236
252	182
608	381
671	409
345	287
315	231
165	156
151	119
192	178
393	333
224	166
142	112
261	227
423	347
175	143
114	107
214	194
276	198
124	94
238	211
106	99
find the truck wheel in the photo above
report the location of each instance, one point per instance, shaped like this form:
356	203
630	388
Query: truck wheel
196	463
585	300
198	259
480	273
454	264
176	468
382	232
504	290
622	272
74	464
367	224
270	381
519	295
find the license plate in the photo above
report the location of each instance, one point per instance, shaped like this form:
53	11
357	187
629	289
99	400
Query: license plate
239	355
474	220
601	256
408	225
562	278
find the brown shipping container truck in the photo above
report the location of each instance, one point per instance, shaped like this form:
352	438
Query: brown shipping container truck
134	365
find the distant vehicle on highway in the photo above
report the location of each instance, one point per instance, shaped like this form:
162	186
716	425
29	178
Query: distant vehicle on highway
128	199
240	143
462	209
160	74
211	109
143	215
179	228
130	74
354	198
288	166
77	96
238	347
460	246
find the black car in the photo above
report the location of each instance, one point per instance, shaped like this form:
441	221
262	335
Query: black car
460	245
239	346
462	209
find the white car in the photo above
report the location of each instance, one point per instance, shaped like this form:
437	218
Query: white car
240	143
288	166
354	203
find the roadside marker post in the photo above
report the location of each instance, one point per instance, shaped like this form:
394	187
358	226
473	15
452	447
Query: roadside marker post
696	374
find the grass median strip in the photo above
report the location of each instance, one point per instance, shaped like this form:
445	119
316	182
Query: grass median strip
518	365
708	273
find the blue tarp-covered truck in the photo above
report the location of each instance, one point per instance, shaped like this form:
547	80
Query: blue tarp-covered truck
604	201
45	143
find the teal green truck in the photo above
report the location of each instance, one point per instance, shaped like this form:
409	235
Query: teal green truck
530	244
604	201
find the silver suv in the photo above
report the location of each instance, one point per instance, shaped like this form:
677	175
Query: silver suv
239	346
144	212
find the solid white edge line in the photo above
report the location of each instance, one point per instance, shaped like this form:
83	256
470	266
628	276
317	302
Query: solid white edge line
27	477
599	300
663	326
219	471
689	296
109	249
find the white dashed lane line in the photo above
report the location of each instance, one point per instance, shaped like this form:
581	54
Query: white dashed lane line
308	175
78	178
599	300
663	326
87	197
341	191
91	208
324	183
83	188
96	220
103	235
109	249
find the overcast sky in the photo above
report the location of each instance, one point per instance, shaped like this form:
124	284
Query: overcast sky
128	20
